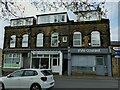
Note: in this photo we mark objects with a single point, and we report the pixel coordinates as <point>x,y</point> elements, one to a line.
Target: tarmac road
<point>85,82</point>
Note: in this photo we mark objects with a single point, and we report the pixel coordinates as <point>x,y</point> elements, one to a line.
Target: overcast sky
<point>112,14</point>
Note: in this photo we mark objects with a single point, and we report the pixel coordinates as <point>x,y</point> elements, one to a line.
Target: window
<point>29,21</point>
<point>17,73</point>
<point>25,40</point>
<point>43,19</point>
<point>54,40</point>
<point>30,73</point>
<point>12,60</point>
<point>95,39</point>
<point>59,18</point>
<point>39,40</point>
<point>77,39</point>
<point>65,39</point>
<point>20,22</point>
<point>12,41</point>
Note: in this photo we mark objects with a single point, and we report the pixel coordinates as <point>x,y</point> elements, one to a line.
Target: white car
<point>32,79</point>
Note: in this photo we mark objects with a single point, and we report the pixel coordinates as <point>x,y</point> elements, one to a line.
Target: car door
<point>28,78</point>
<point>12,80</point>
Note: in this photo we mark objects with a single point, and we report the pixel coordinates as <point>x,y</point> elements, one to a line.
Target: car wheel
<point>2,87</point>
<point>35,87</point>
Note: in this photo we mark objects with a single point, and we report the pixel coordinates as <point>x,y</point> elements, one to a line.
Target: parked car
<point>32,79</point>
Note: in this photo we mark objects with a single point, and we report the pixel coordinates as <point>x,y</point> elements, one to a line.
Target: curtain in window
<point>54,40</point>
<point>95,39</point>
<point>77,39</point>
<point>39,40</point>
<point>13,41</point>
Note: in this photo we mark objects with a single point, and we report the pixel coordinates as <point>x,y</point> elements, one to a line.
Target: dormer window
<point>53,18</point>
<point>22,21</point>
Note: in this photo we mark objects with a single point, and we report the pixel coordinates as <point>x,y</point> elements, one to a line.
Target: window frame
<point>25,40</point>
<point>80,39</point>
<point>54,36</point>
<point>39,40</point>
<point>95,39</point>
<point>12,41</point>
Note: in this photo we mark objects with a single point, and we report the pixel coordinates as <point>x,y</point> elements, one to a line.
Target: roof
<point>23,18</point>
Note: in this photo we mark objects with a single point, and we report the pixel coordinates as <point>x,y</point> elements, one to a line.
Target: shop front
<point>47,59</point>
<point>92,60</point>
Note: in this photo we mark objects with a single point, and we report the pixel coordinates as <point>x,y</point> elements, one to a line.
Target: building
<point>59,42</point>
<point>0,61</point>
<point>115,58</point>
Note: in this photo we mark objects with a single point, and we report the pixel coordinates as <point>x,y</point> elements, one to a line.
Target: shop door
<point>44,63</point>
<point>100,70</point>
<point>55,65</point>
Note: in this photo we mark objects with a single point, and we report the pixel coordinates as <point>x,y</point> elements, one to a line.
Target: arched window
<point>95,39</point>
<point>77,39</point>
<point>25,40</point>
<point>13,41</point>
<point>39,42</point>
<point>54,39</point>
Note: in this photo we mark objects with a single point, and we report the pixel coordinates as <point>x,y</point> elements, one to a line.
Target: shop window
<point>77,39</point>
<point>13,41</point>
<point>54,40</point>
<point>25,40</point>
<point>12,60</point>
<point>95,39</point>
<point>39,40</point>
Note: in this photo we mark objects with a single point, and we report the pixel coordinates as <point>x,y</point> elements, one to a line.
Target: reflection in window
<point>12,41</point>
<point>12,60</point>
<point>39,40</point>
<point>77,39</point>
<point>25,40</point>
<point>95,38</point>
<point>54,40</point>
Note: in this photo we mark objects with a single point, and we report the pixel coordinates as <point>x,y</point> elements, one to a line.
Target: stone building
<point>57,42</point>
<point>115,58</point>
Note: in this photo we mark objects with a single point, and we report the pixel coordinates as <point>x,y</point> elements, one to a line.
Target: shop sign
<point>89,50</point>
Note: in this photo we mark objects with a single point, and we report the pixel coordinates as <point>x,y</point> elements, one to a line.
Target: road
<point>62,82</point>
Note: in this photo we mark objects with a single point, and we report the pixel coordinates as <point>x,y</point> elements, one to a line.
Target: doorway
<point>100,66</point>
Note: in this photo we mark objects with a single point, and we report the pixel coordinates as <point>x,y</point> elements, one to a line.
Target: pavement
<point>87,77</point>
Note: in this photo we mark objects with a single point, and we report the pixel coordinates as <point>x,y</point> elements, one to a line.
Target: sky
<point>112,15</point>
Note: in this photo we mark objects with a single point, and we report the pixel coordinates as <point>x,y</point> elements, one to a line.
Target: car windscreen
<point>46,72</point>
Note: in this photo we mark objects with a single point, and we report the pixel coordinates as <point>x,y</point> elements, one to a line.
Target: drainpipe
<point>69,61</point>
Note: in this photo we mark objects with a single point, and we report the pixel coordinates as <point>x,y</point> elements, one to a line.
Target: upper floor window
<point>77,39</point>
<point>59,18</point>
<point>39,40</point>
<point>95,39</point>
<point>25,40</point>
<point>54,40</point>
<point>43,19</point>
<point>55,18</point>
<point>12,41</point>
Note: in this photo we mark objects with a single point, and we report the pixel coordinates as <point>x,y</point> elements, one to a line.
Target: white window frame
<point>95,39</point>
<point>12,60</point>
<point>25,40</point>
<point>39,40</point>
<point>65,39</point>
<point>12,41</point>
<point>54,39</point>
<point>77,39</point>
